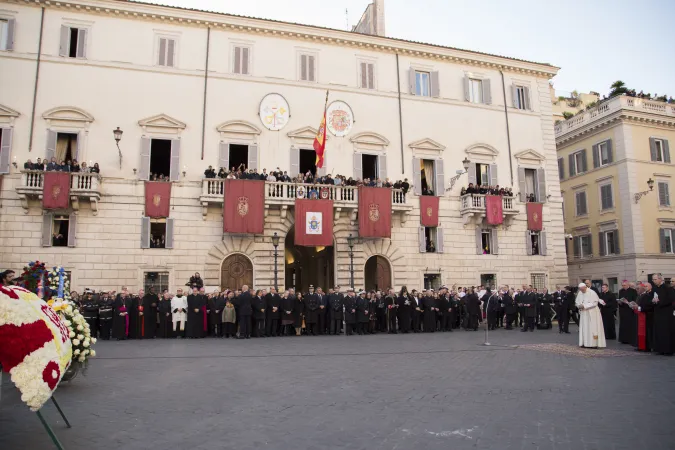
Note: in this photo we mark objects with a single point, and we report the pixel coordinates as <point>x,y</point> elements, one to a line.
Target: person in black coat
<point>443,313</point>
<point>664,320</point>
<point>472,310</point>
<point>195,314</point>
<point>195,281</point>
<point>89,310</point>
<point>336,310</point>
<point>545,302</point>
<point>322,298</point>
<point>105,316</point>
<point>298,313</point>
<point>350,312</point>
<point>428,308</point>
<point>273,312</point>
<point>510,309</point>
<point>215,306</point>
<point>258,306</point>
<point>528,300</point>
<point>391,309</point>
<point>564,300</point>
<point>491,303</point>
<point>287,317</point>
<point>311,311</point>
<point>362,313</point>
<point>245,309</point>
<point>627,317</point>
<point>149,303</point>
<point>404,310</point>
<point>164,313</point>
<point>608,306</point>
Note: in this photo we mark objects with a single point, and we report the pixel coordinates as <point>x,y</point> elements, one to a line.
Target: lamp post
<point>118,137</point>
<point>466,162</point>
<point>350,243</point>
<point>639,195</point>
<point>275,243</point>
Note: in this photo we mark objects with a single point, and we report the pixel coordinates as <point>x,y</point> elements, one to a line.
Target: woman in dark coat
<point>287,318</point>
<point>405,309</point>
<point>298,311</point>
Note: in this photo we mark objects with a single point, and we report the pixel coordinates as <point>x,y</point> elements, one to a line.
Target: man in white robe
<point>179,313</point>
<point>591,332</point>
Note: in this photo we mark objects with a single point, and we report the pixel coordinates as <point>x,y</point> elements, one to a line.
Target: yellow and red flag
<point>320,139</point>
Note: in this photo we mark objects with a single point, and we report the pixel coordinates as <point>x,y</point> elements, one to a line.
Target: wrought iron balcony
<point>83,185</point>
<point>473,208</point>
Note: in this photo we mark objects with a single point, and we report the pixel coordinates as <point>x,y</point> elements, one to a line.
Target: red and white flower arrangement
<point>78,330</point>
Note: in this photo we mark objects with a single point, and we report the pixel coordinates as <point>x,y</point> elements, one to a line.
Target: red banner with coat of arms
<point>157,199</point>
<point>429,210</point>
<point>494,209</point>
<point>534,216</point>
<point>374,212</point>
<point>313,222</point>
<point>244,207</point>
<point>56,190</point>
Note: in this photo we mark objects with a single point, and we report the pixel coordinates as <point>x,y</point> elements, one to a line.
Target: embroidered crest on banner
<point>374,212</point>
<point>56,191</point>
<point>324,193</point>
<point>242,206</point>
<point>430,211</point>
<point>314,223</point>
<point>156,199</point>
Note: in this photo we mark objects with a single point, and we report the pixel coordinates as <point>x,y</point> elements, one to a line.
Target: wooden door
<point>383,272</point>
<point>237,270</point>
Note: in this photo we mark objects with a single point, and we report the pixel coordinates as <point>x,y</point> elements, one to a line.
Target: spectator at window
<point>463,191</point>
<point>271,177</point>
<point>39,165</point>
<point>28,165</point>
<point>195,281</point>
<point>95,169</point>
<point>57,239</point>
<point>53,165</point>
<point>531,198</point>
<point>471,189</point>
<point>431,248</point>
<point>222,173</point>
<point>231,176</point>
<point>210,173</point>
<point>64,166</point>
<point>73,166</point>
<point>84,168</point>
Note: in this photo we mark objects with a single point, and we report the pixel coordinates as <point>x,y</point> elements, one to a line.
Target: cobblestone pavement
<point>425,391</point>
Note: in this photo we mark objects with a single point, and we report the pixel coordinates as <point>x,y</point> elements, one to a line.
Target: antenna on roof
<point>347,18</point>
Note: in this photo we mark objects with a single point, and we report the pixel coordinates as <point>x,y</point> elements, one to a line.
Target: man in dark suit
<point>245,311</point>
<point>323,309</point>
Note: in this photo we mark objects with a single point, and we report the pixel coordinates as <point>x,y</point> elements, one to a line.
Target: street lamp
<point>639,195</point>
<point>466,162</point>
<point>275,243</point>
<point>118,137</point>
<point>350,243</point>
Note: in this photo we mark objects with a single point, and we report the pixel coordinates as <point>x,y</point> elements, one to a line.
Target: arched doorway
<point>377,273</point>
<point>308,265</point>
<point>236,271</point>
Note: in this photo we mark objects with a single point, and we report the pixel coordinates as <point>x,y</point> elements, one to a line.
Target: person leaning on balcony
<point>222,173</point>
<point>64,166</point>
<point>28,165</point>
<point>52,165</point>
<point>74,166</point>
<point>471,189</point>
<point>210,173</point>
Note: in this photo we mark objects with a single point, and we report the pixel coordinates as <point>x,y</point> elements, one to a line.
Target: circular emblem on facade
<point>156,199</point>
<point>325,193</point>
<point>430,211</point>
<point>339,118</point>
<point>242,206</point>
<point>274,112</point>
<point>56,191</point>
<point>300,192</point>
<point>374,212</point>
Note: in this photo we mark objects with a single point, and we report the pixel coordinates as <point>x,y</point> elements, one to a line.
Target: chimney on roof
<point>372,19</point>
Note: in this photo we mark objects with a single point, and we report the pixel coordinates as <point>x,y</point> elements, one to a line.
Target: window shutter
<point>168,238</point>
<point>601,239</point>
<point>577,246</point>
<point>543,251</point>
<point>495,242</point>
<point>541,185</point>
<point>479,241</point>
<point>652,148</point>
<point>439,240</point>
<point>439,176</point>
<point>561,168</point>
<point>244,60</point>
<point>224,155</point>
<point>417,176</point>
<point>584,160</point>
<point>47,224</point>
<point>662,240</point>
<point>358,166</point>
<point>175,160</point>
<point>144,171</point>
<point>11,24</point>
<point>5,149</point>
<point>528,242</point>
<point>526,95</point>
<point>65,39</point>
<point>145,232</point>
<point>573,167</point>
<point>51,145</point>
<point>252,157</point>
<point>487,93</point>
<point>422,240</point>
<point>170,52</point>
<point>364,75</point>
<point>323,170</point>
<point>162,52</point>
<point>81,43</point>
<point>590,243</point>
<point>472,173</point>
<point>435,86</point>
<point>610,152</point>
<point>494,175</point>
<point>303,67</point>
<point>467,89</point>
<point>237,61</point>
<point>72,230</point>
<point>596,157</point>
<point>310,68</point>
<point>412,81</point>
<point>371,76</point>
<point>581,204</point>
<point>78,141</point>
<point>522,184</point>
<point>666,151</point>
<point>663,191</point>
<point>295,162</point>
<point>382,166</point>
<point>514,96</point>
<point>617,250</point>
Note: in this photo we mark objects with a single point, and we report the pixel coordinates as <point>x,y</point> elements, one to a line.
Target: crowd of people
<point>307,178</point>
<point>485,189</point>
<point>61,166</point>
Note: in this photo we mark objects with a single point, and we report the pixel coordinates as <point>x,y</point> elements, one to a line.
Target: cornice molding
<point>622,116</point>
<point>204,19</point>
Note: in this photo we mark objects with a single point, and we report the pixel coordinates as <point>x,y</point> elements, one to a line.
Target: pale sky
<point>594,42</point>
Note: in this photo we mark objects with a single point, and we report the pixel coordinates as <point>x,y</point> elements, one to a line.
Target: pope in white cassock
<point>591,332</point>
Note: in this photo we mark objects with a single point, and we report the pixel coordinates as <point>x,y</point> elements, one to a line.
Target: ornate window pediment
<point>238,127</point>
<point>162,123</point>
<point>369,141</point>
<point>304,135</point>
<point>427,144</point>
<point>7,115</point>
<point>68,116</point>
<point>529,157</point>
<point>481,151</point>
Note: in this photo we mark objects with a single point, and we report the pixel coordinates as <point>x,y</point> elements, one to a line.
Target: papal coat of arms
<point>535,217</point>
<point>242,206</point>
<point>374,212</point>
<point>324,193</point>
<point>156,199</point>
<point>300,193</point>
<point>314,223</point>
<point>56,191</point>
<point>430,211</point>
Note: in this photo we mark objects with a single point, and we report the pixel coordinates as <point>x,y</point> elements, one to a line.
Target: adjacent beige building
<point>620,227</point>
<point>572,103</point>
<point>191,89</point>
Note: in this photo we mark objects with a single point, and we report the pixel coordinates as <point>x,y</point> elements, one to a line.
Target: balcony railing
<point>473,206</point>
<point>82,185</point>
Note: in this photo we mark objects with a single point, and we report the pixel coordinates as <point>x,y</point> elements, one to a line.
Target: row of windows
<point>606,194</point>
<point>603,155</point>
<point>608,243</point>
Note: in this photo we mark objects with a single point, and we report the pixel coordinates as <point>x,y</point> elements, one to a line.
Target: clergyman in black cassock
<point>164,312</point>
<point>391,306</point>
<point>627,317</point>
<point>245,311</point>
<point>362,313</point>
<point>135,319</point>
<point>258,311</point>
<point>473,310</point>
<point>443,314</point>
<point>311,311</point>
<point>664,321</point>
<point>404,310</point>
<point>272,313</point>
<point>350,312</point>
<point>216,303</point>
<point>510,309</point>
<point>121,308</point>
<point>608,311</point>
<point>195,315</point>
<point>529,300</point>
<point>149,302</point>
<point>429,312</point>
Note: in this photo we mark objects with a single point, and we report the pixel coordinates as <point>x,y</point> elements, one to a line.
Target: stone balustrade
<point>472,207</point>
<point>83,185</point>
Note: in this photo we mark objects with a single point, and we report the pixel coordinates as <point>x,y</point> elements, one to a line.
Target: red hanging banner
<point>429,210</point>
<point>313,222</point>
<point>244,207</point>
<point>56,190</point>
<point>494,210</point>
<point>157,199</point>
<point>641,330</point>
<point>534,216</point>
<point>374,212</point>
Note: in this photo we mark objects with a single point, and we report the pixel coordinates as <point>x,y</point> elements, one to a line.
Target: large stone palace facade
<point>191,89</point>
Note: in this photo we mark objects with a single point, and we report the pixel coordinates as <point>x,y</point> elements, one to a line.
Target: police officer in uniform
<point>335,307</point>
<point>105,315</point>
<point>89,310</point>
